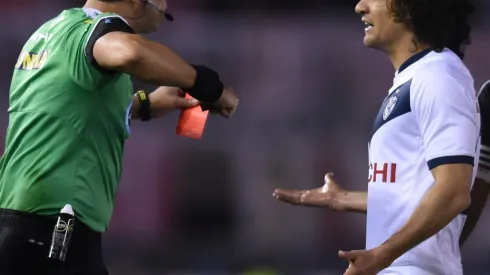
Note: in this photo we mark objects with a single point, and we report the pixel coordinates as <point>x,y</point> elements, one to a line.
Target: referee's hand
<point>325,196</point>
<point>225,105</point>
<point>166,99</point>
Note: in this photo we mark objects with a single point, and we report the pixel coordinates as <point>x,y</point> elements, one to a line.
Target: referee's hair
<point>439,23</point>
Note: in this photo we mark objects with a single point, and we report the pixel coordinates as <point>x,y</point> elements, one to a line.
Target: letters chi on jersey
<point>429,118</point>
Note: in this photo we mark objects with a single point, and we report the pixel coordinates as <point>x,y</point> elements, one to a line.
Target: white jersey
<point>429,118</point>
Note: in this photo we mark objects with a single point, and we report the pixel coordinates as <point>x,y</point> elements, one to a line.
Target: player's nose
<point>361,8</point>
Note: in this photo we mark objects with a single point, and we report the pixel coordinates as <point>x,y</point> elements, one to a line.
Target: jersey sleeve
<point>79,43</point>
<point>103,25</point>
<point>484,161</point>
<point>446,114</point>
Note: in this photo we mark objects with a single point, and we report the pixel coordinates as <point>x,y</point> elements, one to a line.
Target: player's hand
<point>226,104</point>
<point>166,99</point>
<point>364,262</point>
<point>325,196</point>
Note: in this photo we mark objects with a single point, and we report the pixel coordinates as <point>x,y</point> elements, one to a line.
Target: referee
<point>71,102</point>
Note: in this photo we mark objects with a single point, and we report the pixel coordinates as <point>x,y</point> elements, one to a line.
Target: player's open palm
<point>325,196</point>
<point>166,99</point>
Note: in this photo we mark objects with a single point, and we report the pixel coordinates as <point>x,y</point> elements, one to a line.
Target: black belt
<point>43,224</point>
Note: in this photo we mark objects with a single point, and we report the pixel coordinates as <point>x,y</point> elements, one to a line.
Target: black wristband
<point>145,105</point>
<point>208,86</point>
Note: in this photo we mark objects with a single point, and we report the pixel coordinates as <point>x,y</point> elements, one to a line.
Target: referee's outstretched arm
<point>144,59</point>
<point>155,63</point>
<point>114,43</point>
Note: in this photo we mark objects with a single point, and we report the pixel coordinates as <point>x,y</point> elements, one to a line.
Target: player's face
<point>381,30</point>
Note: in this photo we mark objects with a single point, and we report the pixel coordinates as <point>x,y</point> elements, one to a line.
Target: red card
<point>192,121</point>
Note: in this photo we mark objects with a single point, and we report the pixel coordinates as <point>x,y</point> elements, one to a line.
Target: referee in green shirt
<point>71,102</point>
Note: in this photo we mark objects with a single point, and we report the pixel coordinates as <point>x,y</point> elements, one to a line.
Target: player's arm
<point>447,118</point>
<point>330,195</point>
<point>481,187</point>
<point>449,196</point>
<point>479,196</point>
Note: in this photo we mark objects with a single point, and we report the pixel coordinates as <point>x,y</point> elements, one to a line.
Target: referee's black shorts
<point>25,241</point>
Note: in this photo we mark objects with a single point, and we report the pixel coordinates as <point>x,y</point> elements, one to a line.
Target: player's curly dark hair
<point>439,23</point>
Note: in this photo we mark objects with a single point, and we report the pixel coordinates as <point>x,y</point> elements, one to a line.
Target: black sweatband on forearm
<point>145,105</point>
<point>208,86</point>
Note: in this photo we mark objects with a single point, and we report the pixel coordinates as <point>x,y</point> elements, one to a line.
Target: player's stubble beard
<point>394,39</point>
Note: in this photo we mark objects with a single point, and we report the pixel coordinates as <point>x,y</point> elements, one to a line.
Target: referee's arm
<point>445,113</point>
<point>112,45</point>
<point>144,59</point>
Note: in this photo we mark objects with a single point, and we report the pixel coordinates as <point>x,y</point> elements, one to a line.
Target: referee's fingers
<point>181,92</point>
<point>185,103</point>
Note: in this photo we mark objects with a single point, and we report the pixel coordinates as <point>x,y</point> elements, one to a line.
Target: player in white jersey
<point>424,144</point>
<point>481,187</point>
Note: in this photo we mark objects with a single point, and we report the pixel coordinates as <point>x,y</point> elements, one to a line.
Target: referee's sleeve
<point>103,25</point>
<point>445,109</point>
<point>78,47</point>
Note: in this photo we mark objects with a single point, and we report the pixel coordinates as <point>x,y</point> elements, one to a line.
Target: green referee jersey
<point>68,122</point>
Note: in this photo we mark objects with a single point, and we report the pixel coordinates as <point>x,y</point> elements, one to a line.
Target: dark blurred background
<point>309,93</point>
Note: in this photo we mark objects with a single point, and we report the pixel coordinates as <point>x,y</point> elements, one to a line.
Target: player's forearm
<point>352,201</point>
<point>436,210</point>
<point>479,195</point>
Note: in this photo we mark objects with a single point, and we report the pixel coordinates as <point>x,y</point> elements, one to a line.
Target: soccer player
<point>71,102</point>
<point>481,187</point>
<point>423,147</point>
